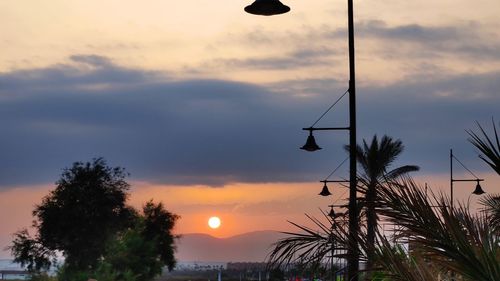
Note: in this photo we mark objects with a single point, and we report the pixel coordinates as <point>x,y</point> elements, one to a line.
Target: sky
<point>204,104</point>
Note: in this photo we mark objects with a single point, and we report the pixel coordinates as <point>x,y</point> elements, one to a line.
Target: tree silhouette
<point>77,218</point>
<point>375,160</point>
<point>86,219</point>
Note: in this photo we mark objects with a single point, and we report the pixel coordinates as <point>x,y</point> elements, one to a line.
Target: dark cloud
<point>214,132</point>
<point>198,131</point>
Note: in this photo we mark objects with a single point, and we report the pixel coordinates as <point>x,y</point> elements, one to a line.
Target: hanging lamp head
<point>311,144</point>
<point>267,8</point>
<point>325,191</point>
<point>332,213</point>
<point>479,190</point>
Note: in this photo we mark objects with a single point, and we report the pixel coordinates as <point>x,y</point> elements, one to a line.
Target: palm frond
<point>400,171</point>
<point>393,261</point>
<point>492,204</point>
<point>490,150</point>
<point>308,246</point>
<point>451,238</point>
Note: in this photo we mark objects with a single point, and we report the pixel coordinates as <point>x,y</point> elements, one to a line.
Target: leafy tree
<point>86,219</point>
<point>158,225</point>
<point>30,252</point>
<point>84,211</point>
<point>375,160</point>
<point>143,250</point>
<point>77,218</point>
<point>132,255</point>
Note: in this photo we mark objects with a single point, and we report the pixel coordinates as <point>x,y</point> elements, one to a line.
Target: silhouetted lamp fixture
<point>332,213</point>
<point>325,191</point>
<point>311,144</point>
<point>477,191</point>
<point>267,8</point>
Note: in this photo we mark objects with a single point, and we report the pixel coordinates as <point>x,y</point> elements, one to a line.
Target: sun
<point>214,222</point>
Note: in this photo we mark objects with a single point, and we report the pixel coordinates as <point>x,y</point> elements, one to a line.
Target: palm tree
<point>490,150</point>
<point>375,160</point>
<point>442,239</point>
<point>312,246</point>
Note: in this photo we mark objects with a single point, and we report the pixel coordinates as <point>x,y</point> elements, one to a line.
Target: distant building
<point>9,270</point>
<point>242,266</point>
<point>9,274</point>
<point>200,266</point>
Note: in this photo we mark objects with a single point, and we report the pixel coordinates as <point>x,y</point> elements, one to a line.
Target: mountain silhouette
<point>247,247</point>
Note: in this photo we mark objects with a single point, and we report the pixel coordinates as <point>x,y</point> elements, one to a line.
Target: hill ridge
<point>245,247</point>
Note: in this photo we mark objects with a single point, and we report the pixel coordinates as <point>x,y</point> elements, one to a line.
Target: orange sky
<point>241,207</point>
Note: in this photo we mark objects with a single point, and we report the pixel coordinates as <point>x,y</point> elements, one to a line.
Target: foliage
<point>394,264</point>
<point>42,277</point>
<point>451,238</point>
<point>492,210</point>
<point>143,250</point>
<point>29,252</point>
<point>276,274</point>
<point>83,212</point>
<point>490,148</point>
<point>158,225</point>
<point>87,221</point>
<point>442,241</point>
<point>310,248</point>
<point>106,272</point>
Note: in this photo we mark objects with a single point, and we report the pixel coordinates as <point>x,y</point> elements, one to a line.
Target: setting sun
<point>214,222</point>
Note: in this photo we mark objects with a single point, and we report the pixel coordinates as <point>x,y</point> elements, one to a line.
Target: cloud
<point>197,131</point>
<point>413,32</point>
<point>214,132</point>
<point>292,60</point>
<point>466,42</point>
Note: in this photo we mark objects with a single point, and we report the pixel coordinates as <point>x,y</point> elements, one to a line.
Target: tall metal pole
<point>275,8</point>
<point>451,179</point>
<point>353,249</point>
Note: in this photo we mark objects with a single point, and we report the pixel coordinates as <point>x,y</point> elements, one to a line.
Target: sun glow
<point>214,222</point>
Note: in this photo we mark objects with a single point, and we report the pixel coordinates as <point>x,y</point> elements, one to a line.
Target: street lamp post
<point>477,191</point>
<point>275,7</point>
<point>333,216</point>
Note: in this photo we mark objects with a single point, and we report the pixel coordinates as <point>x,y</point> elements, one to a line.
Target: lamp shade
<point>332,214</point>
<point>325,191</point>
<point>310,143</point>
<point>267,8</point>
<point>479,190</point>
